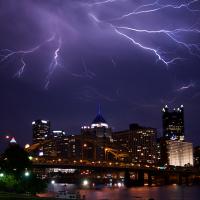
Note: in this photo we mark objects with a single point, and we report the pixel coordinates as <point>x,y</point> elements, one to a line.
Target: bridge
<point>118,153</point>
<point>167,175</point>
<point>152,174</point>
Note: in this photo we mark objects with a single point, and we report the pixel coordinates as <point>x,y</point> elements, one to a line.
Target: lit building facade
<point>179,153</point>
<point>57,145</point>
<point>173,123</point>
<point>41,130</point>
<point>140,142</point>
<point>99,127</point>
<point>94,138</point>
<point>73,147</point>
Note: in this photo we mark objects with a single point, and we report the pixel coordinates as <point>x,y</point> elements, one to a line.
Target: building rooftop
<point>99,119</point>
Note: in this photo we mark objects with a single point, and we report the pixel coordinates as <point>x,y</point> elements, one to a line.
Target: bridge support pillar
<point>167,179</point>
<point>140,178</point>
<point>127,180</point>
<point>150,179</point>
<point>180,179</point>
<point>187,180</point>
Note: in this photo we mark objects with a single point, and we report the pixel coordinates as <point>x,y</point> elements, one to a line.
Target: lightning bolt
<point>102,2</point>
<point>139,10</point>
<point>155,51</point>
<point>113,62</point>
<point>174,35</point>
<point>86,72</point>
<point>21,70</point>
<point>54,63</point>
<point>7,54</point>
<point>185,87</point>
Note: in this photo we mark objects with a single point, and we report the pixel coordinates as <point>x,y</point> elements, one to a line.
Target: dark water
<point>173,192</point>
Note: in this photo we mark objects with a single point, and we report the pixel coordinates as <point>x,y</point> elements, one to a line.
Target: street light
<point>30,158</point>
<point>27,174</point>
<point>85,182</point>
<point>53,184</point>
<point>27,146</point>
<point>106,154</point>
<point>1,174</point>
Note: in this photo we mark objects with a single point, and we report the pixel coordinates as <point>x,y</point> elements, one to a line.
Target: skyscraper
<point>95,137</point>
<point>41,130</point>
<point>140,142</point>
<point>173,123</point>
<point>57,145</point>
<point>98,128</point>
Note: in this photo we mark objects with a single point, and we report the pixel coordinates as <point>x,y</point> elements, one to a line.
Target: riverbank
<point>8,196</point>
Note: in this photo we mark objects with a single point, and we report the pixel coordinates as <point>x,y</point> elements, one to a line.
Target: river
<point>173,192</point>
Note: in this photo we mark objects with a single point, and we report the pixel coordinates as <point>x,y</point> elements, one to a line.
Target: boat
<point>69,195</point>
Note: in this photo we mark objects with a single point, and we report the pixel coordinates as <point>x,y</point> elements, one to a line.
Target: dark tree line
<point>16,172</point>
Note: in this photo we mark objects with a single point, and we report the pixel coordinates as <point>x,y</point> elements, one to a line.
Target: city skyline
<point>59,60</point>
<point>99,116</point>
<point>100,99</point>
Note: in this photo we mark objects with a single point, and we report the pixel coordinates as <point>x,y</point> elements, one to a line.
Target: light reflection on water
<point>173,192</point>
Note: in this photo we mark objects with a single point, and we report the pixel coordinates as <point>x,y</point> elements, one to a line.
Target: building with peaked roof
<point>95,137</point>
<point>13,141</point>
<point>99,127</point>
<point>99,120</point>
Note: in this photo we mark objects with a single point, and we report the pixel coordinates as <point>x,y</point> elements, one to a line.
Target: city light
<point>30,158</point>
<point>85,182</point>
<point>133,57</point>
<point>119,184</point>
<point>85,145</point>
<point>41,153</point>
<point>26,174</point>
<point>27,146</point>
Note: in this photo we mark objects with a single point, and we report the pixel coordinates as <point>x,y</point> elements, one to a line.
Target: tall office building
<point>56,148</point>
<point>140,142</point>
<point>95,137</point>
<point>41,130</point>
<point>173,123</point>
<point>99,127</point>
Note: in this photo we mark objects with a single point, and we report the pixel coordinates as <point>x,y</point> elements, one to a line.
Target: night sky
<point>60,59</point>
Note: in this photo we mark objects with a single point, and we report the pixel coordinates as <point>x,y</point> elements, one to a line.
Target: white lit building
<point>41,130</point>
<point>179,153</point>
<point>98,128</point>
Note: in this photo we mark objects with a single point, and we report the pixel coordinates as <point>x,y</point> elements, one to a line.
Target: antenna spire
<point>99,110</point>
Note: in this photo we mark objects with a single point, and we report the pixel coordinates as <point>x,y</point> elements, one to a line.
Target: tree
<point>15,170</point>
<point>8,183</point>
<point>15,160</point>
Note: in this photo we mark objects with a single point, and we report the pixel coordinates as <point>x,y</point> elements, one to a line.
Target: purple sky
<point>60,59</point>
